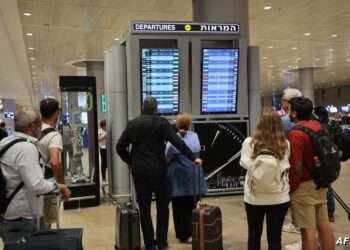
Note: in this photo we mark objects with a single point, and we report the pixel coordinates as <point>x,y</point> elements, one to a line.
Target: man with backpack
<point>310,175</point>
<point>50,146</point>
<point>21,178</point>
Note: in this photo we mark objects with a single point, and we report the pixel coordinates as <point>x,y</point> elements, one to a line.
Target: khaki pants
<point>309,206</point>
<point>51,209</point>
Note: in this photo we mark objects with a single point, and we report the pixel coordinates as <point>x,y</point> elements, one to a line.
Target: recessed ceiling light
<point>31,48</point>
<point>32,58</point>
<point>270,47</point>
<point>116,39</point>
<point>294,48</point>
<point>334,35</point>
<point>307,34</point>
<point>264,57</point>
<point>331,50</point>
<point>318,59</point>
<point>348,60</point>
<point>29,34</point>
<point>267,7</point>
<point>298,59</point>
<point>27,14</point>
<point>271,66</point>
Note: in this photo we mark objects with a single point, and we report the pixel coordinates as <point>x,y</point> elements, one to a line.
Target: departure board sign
<point>163,27</point>
<point>219,81</point>
<point>160,78</point>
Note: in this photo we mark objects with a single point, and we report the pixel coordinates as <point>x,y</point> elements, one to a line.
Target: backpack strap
<point>21,185</point>
<point>45,132</point>
<point>312,134</point>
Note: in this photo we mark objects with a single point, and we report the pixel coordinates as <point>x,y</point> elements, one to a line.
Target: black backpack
<point>327,168</point>
<point>4,201</point>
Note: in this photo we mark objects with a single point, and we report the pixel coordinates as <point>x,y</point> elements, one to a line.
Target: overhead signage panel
<point>213,28</point>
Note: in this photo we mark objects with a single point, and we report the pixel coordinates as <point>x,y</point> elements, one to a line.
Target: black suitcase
<point>206,226</point>
<point>341,202</point>
<point>127,228</point>
<point>127,233</point>
<point>62,239</point>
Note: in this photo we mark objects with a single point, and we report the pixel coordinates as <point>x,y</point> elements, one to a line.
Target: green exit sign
<point>103,103</point>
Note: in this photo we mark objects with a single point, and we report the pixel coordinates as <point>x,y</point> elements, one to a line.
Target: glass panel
<point>76,156</point>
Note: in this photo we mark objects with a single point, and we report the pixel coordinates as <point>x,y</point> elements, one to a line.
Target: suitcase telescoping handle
<point>58,199</point>
<point>341,202</point>
<point>132,189</point>
<point>195,186</point>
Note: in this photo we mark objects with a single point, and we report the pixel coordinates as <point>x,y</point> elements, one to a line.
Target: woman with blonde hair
<point>183,177</point>
<point>265,156</point>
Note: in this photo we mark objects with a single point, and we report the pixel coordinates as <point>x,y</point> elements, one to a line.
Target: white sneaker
<point>290,228</point>
<point>294,246</point>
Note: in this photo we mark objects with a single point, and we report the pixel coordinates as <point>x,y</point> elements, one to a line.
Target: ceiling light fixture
<point>307,34</point>
<point>264,57</point>
<point>331,50</point>
<point>116,39</point>
<point>294,48</point>
<point>333,73</point>
<point>318,59</point>
<point>29,34</point>
<point>32,58</point>
<point>27,14</point>
<point>334,35</point>
<point>33,66</point>
<point>298,59</point>
<point>271,66</point>
<point>267,7</point>
<point>270,47</point>
<point>31,48</point>
<point>348,60</point>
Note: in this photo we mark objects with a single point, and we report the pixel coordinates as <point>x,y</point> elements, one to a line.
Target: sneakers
<point>290,228</point>
<point>294,246</point>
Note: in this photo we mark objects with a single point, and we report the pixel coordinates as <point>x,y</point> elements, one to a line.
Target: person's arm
<point>123,145</point>
<point>55,148</point>
<point>172,137</point>
<point>296,159</point>
<point>246,160</point>
<point>30,171</point>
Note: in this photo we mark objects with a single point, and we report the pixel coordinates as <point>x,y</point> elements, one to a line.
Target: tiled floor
<point>98,223</point>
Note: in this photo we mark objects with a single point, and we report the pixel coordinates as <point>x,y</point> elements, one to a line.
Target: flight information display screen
<point>160,78</point>
<point>219,81</point>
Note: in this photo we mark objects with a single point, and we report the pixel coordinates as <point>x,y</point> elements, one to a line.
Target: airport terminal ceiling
<point>290,34</point>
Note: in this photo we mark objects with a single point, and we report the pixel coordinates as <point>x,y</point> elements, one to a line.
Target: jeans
<point>17,229</point>
<point>330,203</point>
<point>274,219</point>
<point>147,184</point>
<point>103,153</point>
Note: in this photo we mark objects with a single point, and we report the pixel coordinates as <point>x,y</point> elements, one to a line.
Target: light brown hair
<point>269,135</point>
<point>183,122</point>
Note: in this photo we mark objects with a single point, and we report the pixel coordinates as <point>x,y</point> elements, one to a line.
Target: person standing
<point>308,203</point>
<point>102,136</point>
<point>21,170</point>
<point>147,136</point>
<point>50,146</point>
<point>3,132</point>
<point>67,153</point>
<point>266,192</point>
<point>183,178</point>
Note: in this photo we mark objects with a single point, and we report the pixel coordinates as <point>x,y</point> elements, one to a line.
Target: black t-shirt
<point>3,133</point>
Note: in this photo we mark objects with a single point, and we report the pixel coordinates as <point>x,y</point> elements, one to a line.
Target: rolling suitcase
<point>58,239</point>
<point>341,202</point>
<point>206,226</point>
<point>127,232</point>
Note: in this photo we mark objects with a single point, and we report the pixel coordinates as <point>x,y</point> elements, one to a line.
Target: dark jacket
<point>147,135</point>
<point>3,133</point>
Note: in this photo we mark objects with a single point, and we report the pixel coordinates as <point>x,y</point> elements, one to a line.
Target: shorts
<point>309,206</point>
<point>50,209</point>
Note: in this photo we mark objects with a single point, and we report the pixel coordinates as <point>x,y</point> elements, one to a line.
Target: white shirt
<point>51,140</point>
<point>21,163</point>
<point>261,198</point>
<point>102,142</point>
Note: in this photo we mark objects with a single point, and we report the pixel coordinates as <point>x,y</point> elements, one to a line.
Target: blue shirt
<point>287,124</point>
<point>182,172</point>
